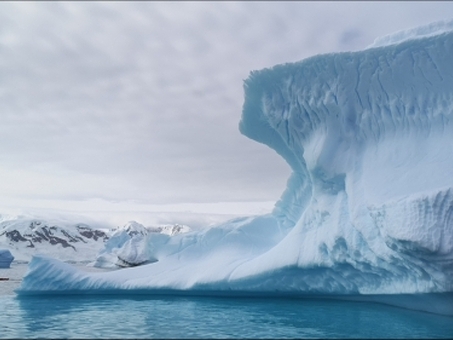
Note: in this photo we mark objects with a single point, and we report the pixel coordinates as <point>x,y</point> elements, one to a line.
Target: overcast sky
<point>134,107</point>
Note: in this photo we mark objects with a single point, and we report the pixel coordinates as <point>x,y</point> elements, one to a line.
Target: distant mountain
<point>73,242</point>
<point>170,229</point>
<point>25,237</point>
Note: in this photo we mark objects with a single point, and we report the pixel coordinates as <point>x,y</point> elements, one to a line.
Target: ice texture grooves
<point>368,208</point>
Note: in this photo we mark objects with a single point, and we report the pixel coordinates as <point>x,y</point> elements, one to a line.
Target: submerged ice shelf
<point>368,209</point>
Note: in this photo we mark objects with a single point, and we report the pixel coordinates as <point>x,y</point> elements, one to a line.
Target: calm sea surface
<point>205,317</point>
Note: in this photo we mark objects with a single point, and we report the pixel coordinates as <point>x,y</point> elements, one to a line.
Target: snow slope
<point>368,209</point>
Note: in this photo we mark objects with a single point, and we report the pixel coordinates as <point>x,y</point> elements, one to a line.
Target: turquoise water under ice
<point>208,317</point>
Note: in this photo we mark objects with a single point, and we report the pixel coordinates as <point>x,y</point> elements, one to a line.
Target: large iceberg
<point>368,209</point>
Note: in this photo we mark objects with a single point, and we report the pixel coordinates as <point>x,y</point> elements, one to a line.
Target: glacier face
<point>368,208</point>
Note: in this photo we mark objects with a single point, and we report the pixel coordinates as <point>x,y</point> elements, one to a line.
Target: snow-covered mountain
<point>171,229</point>
<point>25,236</point>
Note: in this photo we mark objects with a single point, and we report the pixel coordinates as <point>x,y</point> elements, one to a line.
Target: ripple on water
<point>207,317</point>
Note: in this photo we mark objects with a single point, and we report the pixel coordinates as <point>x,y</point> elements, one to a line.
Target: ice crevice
<point>368,208</point>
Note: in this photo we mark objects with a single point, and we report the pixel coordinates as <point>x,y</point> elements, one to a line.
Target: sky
<point>121,111</point>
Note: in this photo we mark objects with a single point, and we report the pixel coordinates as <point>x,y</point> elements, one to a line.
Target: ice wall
<point>368,208</point>
<point>369,137</point>
<point>371,115</point>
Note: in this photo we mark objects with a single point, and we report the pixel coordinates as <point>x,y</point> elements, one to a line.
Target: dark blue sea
<point>205,317</point>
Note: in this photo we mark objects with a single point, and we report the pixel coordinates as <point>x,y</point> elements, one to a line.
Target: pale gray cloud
<point>141,100</point>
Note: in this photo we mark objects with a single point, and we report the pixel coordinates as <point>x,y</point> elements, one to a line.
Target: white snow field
<point>368,209</point>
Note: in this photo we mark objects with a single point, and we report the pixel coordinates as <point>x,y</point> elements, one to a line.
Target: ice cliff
<point>370,140</point>
<point>368,208</point>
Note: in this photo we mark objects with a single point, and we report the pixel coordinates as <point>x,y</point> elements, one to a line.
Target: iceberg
<point>5,258</point>
<point>129,246</point>
<point>368,208</point>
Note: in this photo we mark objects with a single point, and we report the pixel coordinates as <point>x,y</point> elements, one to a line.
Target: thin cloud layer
<point>141,101</point>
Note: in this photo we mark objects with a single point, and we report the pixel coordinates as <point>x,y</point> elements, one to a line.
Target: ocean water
<point>205,317</point>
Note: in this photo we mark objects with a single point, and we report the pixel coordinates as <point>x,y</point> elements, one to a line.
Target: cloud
<point>141,101</point>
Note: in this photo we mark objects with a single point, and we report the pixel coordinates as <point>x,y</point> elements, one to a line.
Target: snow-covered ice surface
<point>129,246</point>
<point>368,209</point>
